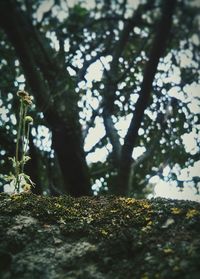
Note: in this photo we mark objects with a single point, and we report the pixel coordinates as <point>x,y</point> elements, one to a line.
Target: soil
<point>98,237</point>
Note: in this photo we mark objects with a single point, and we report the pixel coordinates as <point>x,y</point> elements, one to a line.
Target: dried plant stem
<point>17,162</point>
<point>24,146</point>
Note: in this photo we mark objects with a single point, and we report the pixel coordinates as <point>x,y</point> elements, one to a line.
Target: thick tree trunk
<point>157,50</point>
<point>43,74</point>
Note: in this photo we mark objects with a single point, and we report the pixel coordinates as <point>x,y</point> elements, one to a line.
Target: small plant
<point>19,179</point>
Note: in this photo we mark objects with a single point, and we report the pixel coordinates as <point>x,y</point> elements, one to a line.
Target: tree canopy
<point>125,71</point>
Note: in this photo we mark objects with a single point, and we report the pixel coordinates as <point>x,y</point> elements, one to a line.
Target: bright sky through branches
<point>160,188</point>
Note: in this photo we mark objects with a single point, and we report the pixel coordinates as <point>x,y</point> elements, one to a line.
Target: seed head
<point>25,97</point>
<point>27,100</point>
<point>22,93</point>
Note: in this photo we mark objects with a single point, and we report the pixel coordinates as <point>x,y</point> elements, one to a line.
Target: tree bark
<point>44,74</point>
<point>157,50</point>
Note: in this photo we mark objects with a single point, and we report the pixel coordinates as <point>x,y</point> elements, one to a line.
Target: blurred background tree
<point>115,87</point>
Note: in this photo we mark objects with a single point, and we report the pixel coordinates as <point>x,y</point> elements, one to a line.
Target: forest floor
<point>98,237</point>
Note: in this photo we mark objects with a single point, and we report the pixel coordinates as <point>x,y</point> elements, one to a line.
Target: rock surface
<point>99,237</point>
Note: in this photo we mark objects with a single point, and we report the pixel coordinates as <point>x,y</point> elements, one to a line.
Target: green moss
<point>99,237</point>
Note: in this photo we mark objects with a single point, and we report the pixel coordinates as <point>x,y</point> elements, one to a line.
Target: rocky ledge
<point>98,237</point>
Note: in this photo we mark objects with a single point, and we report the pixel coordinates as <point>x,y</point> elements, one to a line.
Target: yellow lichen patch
<point>57,205</point>
<point>191,213</point>
<point>15,197</point>
<point>175,210</point>
<point>130,201</point>
<point>144,204</point>
<point>126,201</point>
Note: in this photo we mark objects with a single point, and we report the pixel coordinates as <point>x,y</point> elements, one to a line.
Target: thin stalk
<point>23,136</point>
<point>17,165</point>
<point>26,146</point>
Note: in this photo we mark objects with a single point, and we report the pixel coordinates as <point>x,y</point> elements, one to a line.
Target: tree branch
<point>112,81</point>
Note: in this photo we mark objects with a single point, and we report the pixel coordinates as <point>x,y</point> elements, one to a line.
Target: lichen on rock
<point>98,237</point>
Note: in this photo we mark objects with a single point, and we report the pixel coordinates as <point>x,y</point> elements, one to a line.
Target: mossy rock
<point>98,237</point>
